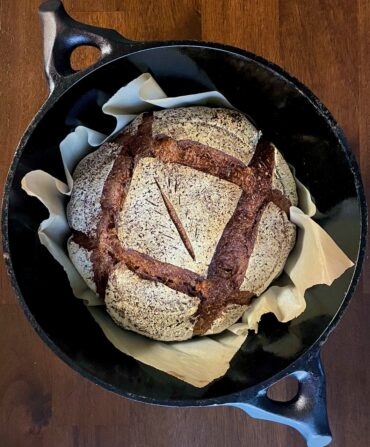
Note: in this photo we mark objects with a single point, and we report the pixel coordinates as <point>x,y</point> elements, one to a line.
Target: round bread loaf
<point>181,220</point>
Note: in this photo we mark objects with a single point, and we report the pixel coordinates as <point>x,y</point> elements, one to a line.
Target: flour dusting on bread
<point>198,189</point>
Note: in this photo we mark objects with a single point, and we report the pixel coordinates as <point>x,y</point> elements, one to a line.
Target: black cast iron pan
<point>289,115</point>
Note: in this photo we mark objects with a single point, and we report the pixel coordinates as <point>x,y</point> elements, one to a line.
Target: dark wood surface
<point>326,44</point>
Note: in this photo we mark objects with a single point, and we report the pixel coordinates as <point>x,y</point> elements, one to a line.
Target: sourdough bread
<point>181,220</point>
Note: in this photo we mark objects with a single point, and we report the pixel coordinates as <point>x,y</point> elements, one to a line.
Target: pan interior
<point>285,116</point>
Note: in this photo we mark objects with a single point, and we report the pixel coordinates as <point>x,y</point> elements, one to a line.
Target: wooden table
<point>326,44</point>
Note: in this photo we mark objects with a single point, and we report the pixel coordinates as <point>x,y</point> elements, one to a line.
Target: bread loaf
<point>181,220</point>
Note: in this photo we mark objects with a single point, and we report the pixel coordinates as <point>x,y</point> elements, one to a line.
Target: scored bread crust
<point>202,201</point>
<point>128,297</point>
<point>84,208</point>
<point>274,240</point>
<point>157,235</point>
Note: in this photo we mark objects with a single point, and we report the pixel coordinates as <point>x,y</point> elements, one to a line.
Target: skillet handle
<point>62,35</point>
<point>306,412</point>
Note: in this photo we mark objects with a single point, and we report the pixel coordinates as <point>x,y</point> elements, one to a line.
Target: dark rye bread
<point>181,220</point>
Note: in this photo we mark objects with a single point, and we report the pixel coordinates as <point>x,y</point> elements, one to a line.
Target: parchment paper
<point>315,259</point>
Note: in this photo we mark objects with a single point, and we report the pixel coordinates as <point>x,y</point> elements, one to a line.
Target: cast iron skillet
<point>289,114</point>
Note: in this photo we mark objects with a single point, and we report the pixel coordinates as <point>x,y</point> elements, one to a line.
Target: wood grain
<point>326,44</point>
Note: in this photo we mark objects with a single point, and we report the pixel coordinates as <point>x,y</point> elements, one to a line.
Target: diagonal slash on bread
<point>176,220</point>
<point>186,221</point>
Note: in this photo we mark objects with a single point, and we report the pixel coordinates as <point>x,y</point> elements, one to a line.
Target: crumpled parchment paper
<point>315,259</point>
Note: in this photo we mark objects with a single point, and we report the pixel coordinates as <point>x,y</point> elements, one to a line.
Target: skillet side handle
<point>62,35</point>
<point>306,412</point>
